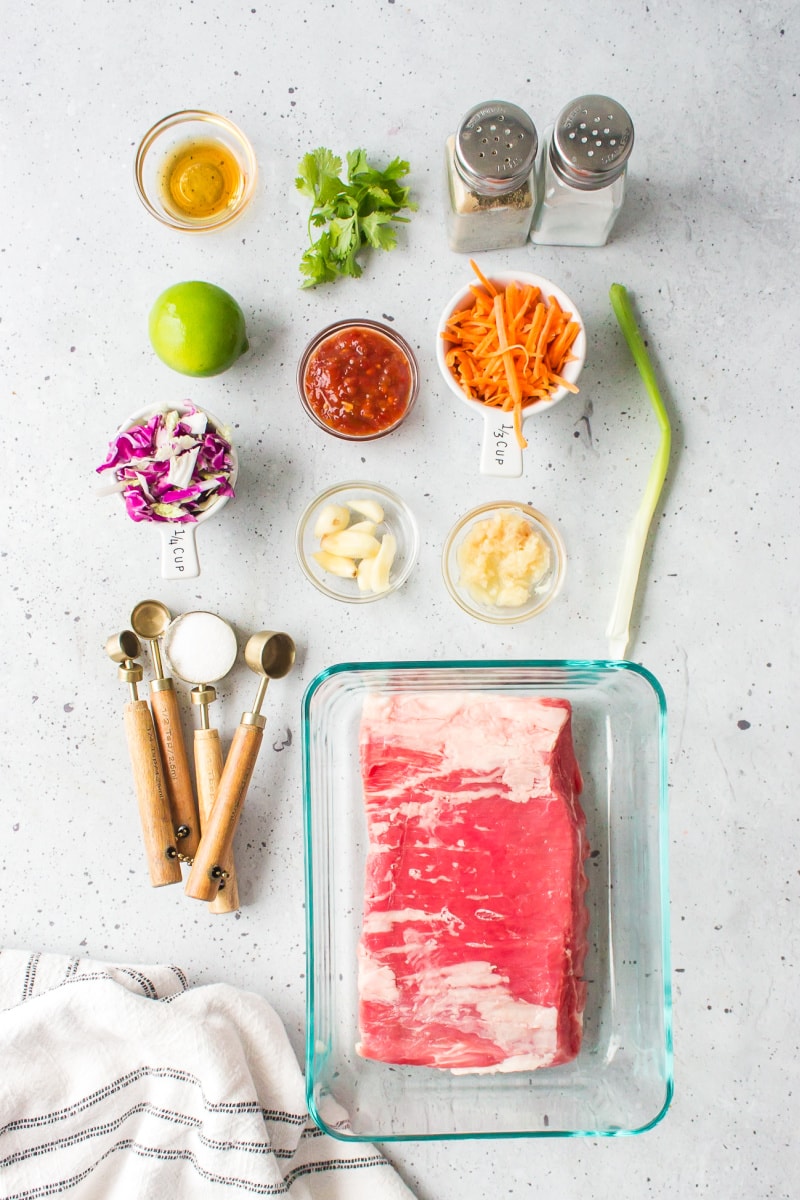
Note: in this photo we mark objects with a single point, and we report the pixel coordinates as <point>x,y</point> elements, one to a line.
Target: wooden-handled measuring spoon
<point>270,655</point>
<point>148,775</point>
<point>201,648</point>
<point>150,619</point>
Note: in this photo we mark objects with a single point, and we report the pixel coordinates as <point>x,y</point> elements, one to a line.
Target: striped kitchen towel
<point>123,1083</point>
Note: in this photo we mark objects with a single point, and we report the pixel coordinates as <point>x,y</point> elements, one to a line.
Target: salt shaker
<point>581,173</point>
<point>490,178</point>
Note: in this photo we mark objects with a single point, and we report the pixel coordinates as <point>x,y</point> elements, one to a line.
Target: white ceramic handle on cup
<point>500,453</point>
<point>179,551</point>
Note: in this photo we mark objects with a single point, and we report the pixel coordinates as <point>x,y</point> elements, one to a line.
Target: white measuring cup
<point>178,546</point>
<point>501,454</point>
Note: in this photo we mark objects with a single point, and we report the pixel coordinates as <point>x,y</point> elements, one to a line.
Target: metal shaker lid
<point>592,139</point>
<point>495,147</point>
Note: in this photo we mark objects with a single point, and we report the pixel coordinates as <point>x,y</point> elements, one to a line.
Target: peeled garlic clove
<point>330,519</point>
<point>382,564</point>
<point>367,508</point>
<point>362,527</point>
<point>335,564</point>
<point>364,575</point>
<point>351,545</point>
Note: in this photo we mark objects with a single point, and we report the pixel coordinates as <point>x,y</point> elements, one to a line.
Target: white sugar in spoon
<point>201,649</point>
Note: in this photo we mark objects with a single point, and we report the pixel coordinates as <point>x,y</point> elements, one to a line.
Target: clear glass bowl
<point>543,590</point>
<point>398,520</point>
<point>160,145</point>
<point>331,331</point>
<point>621,1081</point>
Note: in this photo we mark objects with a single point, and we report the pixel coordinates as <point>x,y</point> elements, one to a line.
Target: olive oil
<point>202,179</point>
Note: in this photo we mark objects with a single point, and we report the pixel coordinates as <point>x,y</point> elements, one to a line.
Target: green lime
<point>197,328</point>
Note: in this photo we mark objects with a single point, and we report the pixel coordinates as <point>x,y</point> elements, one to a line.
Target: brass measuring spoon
<point>201,648</point>
<point>270,655</point>
<point>149,620</point>
<point>148,774</point>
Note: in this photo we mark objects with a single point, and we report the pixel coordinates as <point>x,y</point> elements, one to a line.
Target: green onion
<point>618,631</point>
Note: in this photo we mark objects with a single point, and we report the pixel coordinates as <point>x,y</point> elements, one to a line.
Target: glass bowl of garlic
<point>357,542</point>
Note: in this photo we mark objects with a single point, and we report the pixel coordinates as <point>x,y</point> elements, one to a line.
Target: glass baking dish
<point>621,1081</point>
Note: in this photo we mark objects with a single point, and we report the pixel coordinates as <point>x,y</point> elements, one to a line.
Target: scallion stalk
<point>618,631</point>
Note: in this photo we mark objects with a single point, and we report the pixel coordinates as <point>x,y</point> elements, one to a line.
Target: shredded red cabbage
<point>172,467</point>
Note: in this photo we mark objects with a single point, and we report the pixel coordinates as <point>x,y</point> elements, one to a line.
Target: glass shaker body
<point>581,174</point>
<point>490,181</point>
<point>567,216</point>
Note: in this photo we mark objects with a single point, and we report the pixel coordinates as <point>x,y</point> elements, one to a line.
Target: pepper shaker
<point>490,178</point>
<point>581,173</point>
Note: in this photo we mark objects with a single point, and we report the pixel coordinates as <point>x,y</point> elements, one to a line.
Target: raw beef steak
<point>474,932</point>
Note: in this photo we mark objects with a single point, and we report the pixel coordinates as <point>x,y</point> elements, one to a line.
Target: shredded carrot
<point>508,359</point>
<point>565,339</point>
<point>491,289</point>
<point>535,327</point>
<point>509,348</point>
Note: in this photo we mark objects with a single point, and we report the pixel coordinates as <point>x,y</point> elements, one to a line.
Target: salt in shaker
<point>581,173</point>
<point>490,178</point>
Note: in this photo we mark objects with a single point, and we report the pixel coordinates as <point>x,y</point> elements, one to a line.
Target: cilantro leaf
<point>316,267</point>
<point>344,235</point>
<point>356,163</point>
<point>318,171</point>
<point>358,212</point>
<point>378,232</point>
<point>377,199</point>
<point>396,169</point>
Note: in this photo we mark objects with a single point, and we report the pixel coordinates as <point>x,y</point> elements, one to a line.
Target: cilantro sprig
<point>352,214</point>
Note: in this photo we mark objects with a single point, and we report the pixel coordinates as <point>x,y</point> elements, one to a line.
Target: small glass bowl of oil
<point>195,171</point>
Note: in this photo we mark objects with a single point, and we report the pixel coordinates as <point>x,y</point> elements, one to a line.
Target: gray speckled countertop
<point>706,245</point>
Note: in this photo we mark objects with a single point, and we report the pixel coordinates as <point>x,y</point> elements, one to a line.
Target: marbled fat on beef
<point>475,924</point>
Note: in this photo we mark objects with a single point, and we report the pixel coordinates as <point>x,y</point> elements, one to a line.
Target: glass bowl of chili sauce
<point>358,379</point>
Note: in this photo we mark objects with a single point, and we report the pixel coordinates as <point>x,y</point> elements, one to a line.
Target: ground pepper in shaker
<point>490,178</point>
<point>581,173</point>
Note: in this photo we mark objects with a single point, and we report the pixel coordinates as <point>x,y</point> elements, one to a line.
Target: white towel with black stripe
<point>123,1083</point>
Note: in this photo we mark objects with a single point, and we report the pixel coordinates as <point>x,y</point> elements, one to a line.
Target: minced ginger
<point>501,559</point>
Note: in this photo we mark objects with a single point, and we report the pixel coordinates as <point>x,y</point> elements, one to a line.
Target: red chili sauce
<point>358,382</point>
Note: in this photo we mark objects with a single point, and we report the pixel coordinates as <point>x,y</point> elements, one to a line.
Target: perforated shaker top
<point>495,147</point>
<point>592,140</point>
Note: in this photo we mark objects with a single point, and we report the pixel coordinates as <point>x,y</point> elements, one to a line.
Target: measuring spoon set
<point>178,826</point>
